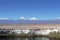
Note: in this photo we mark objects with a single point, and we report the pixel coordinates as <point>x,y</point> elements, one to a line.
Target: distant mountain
<point>29,21</point>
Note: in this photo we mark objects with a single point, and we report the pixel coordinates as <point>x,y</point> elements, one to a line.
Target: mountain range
<point>30,21</point>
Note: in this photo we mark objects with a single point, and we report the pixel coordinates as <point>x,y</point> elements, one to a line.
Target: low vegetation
<point>51,35</point>
<point>54,35</point>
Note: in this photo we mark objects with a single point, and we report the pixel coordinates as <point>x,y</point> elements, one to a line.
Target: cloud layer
<point>32,18</point>
<point>4,19</point>
<point>21,18</point>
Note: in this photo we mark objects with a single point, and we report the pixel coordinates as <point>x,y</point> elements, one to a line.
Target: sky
<point>41,9</point>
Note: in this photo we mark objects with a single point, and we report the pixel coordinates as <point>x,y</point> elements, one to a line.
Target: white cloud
<point>4,18</point>
<point>33,18</point>
<point>58,18</point>
<point>22,18</point>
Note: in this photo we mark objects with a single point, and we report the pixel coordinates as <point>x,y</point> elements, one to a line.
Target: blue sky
<point>41,9</point>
